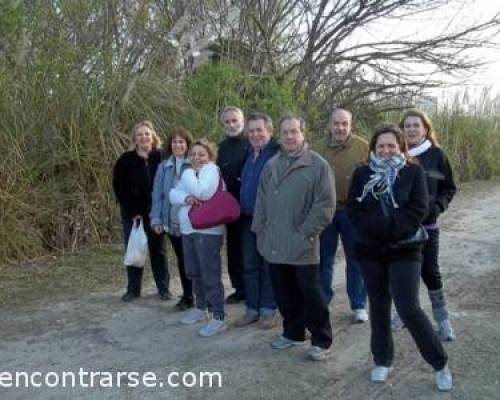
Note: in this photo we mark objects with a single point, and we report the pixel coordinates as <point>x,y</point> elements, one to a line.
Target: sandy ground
<point>99,333</point>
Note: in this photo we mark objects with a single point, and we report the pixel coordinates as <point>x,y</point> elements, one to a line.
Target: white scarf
<point>421,148</point>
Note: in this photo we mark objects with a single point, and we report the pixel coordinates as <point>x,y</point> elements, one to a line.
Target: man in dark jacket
<point>258,289</point>
<point>232,152</point>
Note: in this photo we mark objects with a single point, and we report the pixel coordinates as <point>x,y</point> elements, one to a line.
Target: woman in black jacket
<point>388,201</point>
<point>133,177</point>
<point>423,146</point>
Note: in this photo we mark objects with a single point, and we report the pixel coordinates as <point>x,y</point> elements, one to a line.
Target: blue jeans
<point>259,296</point>
<point>356,289</point>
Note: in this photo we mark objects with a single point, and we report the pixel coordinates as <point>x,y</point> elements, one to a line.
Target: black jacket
<point>231,158</point>
<point>376,228</point>
<point>439,181</point>
<point>133,178</point>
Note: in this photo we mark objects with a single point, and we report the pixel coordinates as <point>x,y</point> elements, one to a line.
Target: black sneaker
<point>165,295</point>
<point>184,303</point>
<point>129,296</point>
<point>235,298</point>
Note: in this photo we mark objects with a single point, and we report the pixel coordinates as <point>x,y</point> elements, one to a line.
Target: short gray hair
<point>286,117</point>
<point>258,116</point>
<point>340,109</point>
<point>231,109</point>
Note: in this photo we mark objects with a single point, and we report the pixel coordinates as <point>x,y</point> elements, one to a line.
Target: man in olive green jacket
<point>344,151</point>
<point>295,202</point>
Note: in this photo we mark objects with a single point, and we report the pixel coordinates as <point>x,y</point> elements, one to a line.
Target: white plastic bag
<point>137,247</point>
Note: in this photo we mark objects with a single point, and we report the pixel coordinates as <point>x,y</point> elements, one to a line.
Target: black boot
<point>184,303</point>
<point>134,275</point>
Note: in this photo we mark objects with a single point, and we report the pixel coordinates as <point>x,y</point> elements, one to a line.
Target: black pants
<point>298,294</point>
<point>157,256</point>
<point>187,287</point>
<point>401,279</point>
<point>234,257</point>
<point>430,266</point>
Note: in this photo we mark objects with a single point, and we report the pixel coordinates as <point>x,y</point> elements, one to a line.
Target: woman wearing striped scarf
<point>388,201</point>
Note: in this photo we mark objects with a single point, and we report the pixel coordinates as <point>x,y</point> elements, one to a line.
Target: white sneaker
<point>360,315</point>
<point>193,316</point>
<point>280,342</point>
<point>317,353</point>
<point>379,373</point>
<point>444,381</point>
<point>213,327</point>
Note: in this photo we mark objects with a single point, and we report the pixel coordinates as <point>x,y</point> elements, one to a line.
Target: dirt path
<point>99,333</point>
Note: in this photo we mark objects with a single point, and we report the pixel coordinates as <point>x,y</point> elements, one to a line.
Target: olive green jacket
<point>344,158</point>
<point>295,202</point>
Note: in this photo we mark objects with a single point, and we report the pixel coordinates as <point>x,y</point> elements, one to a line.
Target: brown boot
<point>267,321</point>
<point>245,320</point>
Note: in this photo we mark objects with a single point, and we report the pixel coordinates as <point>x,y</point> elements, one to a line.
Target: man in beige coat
<point>295,202</point>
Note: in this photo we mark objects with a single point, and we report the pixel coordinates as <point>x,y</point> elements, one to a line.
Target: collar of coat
<point>339,145</point>
<point>304,159</point>
<point>171,161</point>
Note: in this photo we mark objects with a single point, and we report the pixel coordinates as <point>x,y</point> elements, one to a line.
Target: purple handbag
<point>221,208</point>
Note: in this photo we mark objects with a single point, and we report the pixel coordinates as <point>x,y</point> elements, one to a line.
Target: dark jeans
<point>157,256</point>
<point>401,279</point>
<point>187,287</point>
<point>234,257</point>
<point>259,295</point>
<point>430,266</point>
<point>204,268</point>
<point>297,292</point>
<point>356,291</point>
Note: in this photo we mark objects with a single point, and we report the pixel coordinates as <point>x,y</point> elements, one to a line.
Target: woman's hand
<point>158,229</point>
<point>137,218</point>
<point>192,201</point>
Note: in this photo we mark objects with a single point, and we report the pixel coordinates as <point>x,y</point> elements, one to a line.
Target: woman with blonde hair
<point>133,176</point>
<point>201,247</point>
<point>425,150</point>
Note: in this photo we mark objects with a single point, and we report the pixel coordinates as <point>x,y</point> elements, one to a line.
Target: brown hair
<point>209,146</point>
<point>148,124</point>
<point>389,128</point>
<point>431,133</point>
<point>182,133</point>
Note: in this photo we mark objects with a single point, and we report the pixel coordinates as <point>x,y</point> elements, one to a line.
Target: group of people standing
<point>381,198</point>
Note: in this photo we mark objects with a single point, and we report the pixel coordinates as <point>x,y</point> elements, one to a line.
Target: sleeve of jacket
<point>405,220</point>
<point>157,196</point>
<point>367,218</point>
<point>178,194</point>
<point>259,215</point>
<point>120,187</point>
<point>446,187</point>
<point>204,185</point>
<point>323,207</point>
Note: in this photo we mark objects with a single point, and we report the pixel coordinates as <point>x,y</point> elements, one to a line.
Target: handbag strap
<point>220,188</point>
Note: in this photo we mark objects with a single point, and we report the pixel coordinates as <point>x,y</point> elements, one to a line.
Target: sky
<point>450,17</point>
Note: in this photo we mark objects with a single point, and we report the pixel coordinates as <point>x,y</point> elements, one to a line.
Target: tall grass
<point>469,131</point>
<point>59,145</point>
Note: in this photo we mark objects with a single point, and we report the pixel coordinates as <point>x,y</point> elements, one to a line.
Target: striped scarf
<point>384,175</point>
